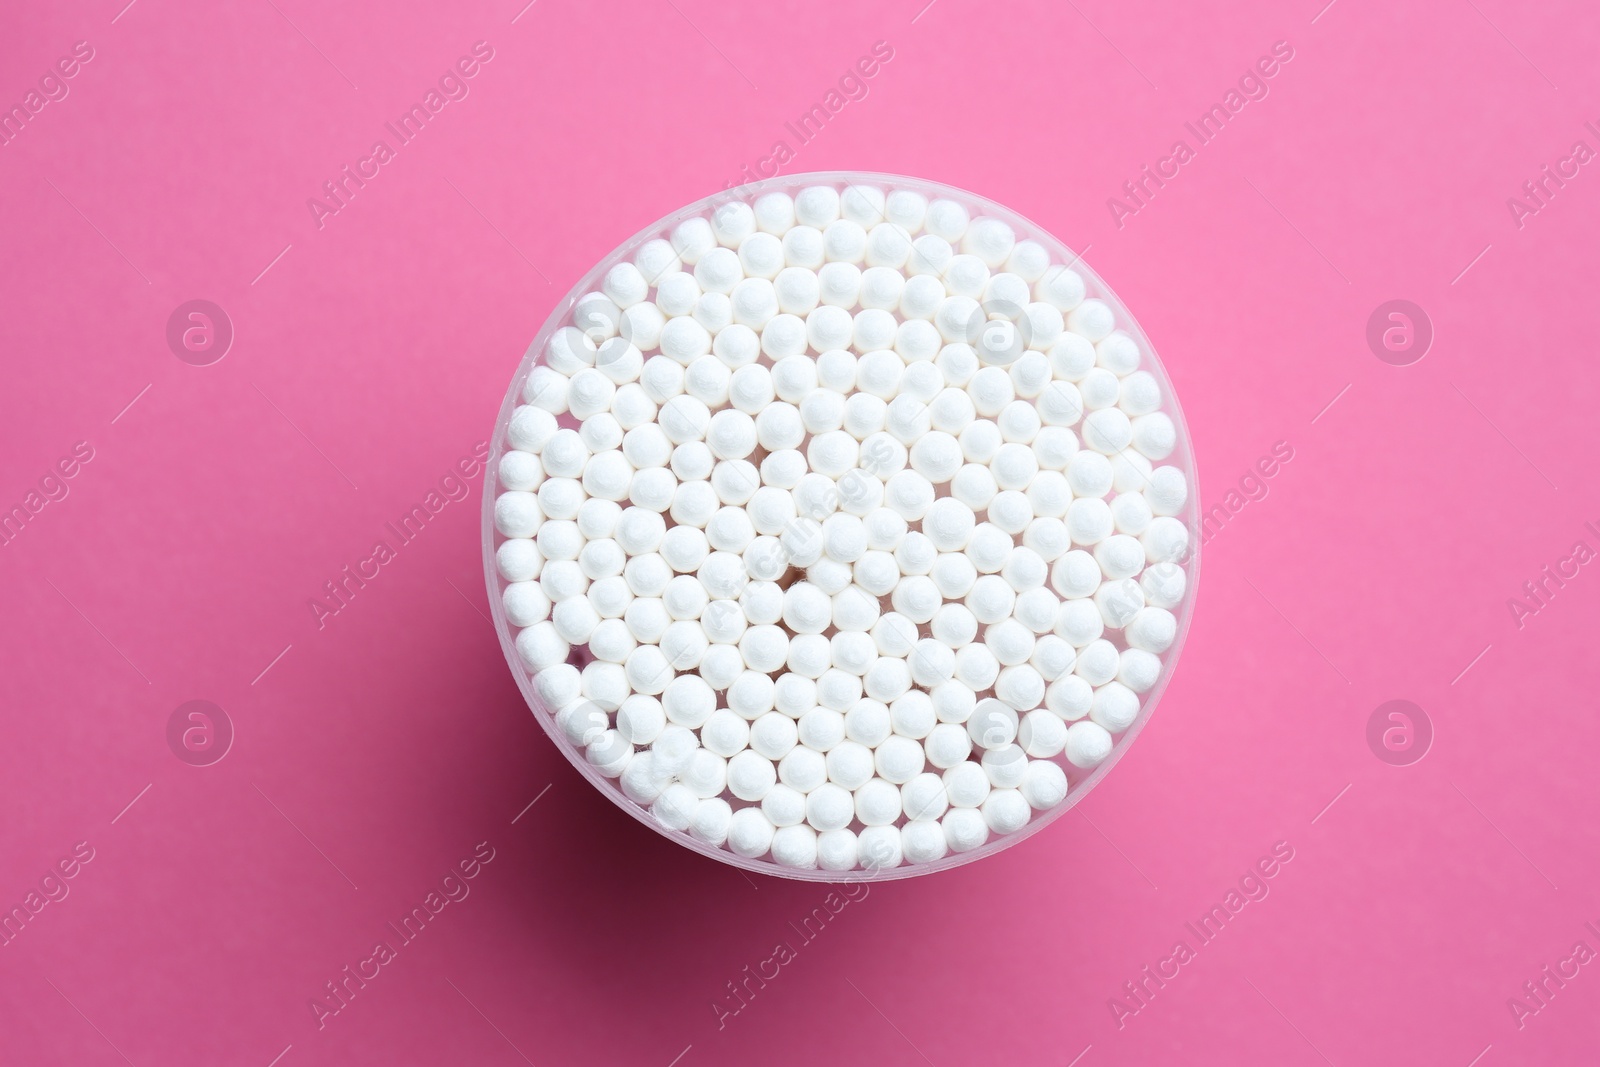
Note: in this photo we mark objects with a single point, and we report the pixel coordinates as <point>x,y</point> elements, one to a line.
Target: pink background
<point>378,751</point>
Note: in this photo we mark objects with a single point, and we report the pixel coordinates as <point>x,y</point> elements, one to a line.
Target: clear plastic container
<point>1080,781</point>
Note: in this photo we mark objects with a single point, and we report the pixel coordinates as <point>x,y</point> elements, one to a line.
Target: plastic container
<point>1080,781</point>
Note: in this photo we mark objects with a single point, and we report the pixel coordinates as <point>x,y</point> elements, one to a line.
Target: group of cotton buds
<point>834,530</point>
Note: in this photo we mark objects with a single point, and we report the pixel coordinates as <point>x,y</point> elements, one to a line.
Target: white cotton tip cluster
<point>842,528</point>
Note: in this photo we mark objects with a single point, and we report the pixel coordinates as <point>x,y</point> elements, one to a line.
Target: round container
<point>1080,782</point>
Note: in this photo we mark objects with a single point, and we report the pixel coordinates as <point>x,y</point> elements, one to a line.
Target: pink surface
<point>209,906</point>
